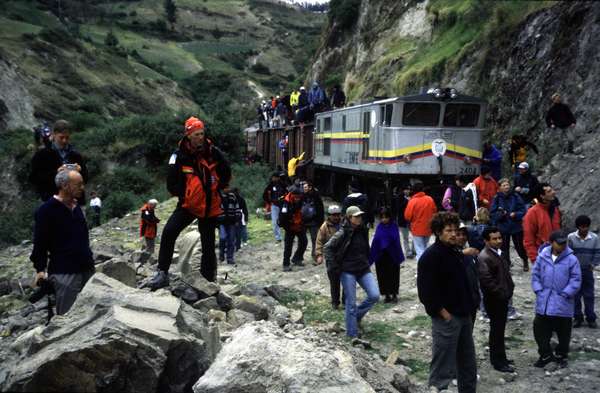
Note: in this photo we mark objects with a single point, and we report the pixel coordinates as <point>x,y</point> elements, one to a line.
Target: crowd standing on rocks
<point>450,279</point>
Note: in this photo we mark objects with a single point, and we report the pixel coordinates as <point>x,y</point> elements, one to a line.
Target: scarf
<point>387,238</point>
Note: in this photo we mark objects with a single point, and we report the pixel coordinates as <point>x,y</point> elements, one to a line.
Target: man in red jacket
<point>541,220</point>
<point>487,187</point>
<point>419,212</point>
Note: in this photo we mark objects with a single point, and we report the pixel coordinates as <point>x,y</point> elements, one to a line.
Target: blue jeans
<point>587,294</point>
<point>353,313</point>
<point>274,217</point>
<point>227,241</point>
<point>420,243</point>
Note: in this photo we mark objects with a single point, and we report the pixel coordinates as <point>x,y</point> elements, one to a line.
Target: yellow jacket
<point>294,98</point>
<point>293,163</point>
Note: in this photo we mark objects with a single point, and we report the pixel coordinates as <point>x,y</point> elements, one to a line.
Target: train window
<point>366,122</point>
<point>421,114</point>
<point>386,112</point>
<point>327,124</point>
<point>461,115</point>
<point>344,123</point>
<point>327,146</point>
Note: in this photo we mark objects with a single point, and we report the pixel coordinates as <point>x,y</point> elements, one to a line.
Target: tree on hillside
<point>171,11</point>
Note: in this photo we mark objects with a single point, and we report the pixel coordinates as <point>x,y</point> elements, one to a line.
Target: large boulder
<point>261,358</point>
<point>119,269</point>
<point>115,338</point>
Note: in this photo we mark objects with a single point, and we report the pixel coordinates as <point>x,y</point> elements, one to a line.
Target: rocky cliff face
<point>517,59</point>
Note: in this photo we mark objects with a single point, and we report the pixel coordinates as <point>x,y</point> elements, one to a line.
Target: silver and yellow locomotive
<point>431,137</point>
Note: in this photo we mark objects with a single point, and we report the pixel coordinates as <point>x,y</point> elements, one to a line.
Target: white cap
<point>153,202</point>
<point>334,209</point>
<point>302,88</point>
<point>523,165</point>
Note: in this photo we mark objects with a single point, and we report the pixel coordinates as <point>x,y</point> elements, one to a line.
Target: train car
<point>431,137</point>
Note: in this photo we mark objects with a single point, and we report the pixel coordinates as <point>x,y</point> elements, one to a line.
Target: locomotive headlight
<point>453,93</point>
<point>406,159</point>
<point>438,93</point>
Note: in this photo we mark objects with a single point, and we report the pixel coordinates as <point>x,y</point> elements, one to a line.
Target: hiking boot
<point>543,361</point>
<point>577,323</point>
<point>159,280</point>
<point>592,325</point>
<point>287,268</point>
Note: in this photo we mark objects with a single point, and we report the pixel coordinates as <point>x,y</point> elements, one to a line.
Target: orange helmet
<point>192,124</point>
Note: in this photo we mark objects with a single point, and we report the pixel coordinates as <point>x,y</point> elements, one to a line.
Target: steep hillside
<point>516,54</point>
<point>127,75</point>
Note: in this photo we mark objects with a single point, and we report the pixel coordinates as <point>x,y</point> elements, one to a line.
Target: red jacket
<point>537,227</point>
<point>419,211</point>
<point>486,189</point>
<point>148,223</point>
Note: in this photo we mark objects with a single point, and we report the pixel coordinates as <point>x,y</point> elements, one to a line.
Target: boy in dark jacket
<point>290,219</point>
<point>442,283</point>
<point>313,214</point>
<point>273,198</point>
<point>241,238</point>
<point>347,253</point>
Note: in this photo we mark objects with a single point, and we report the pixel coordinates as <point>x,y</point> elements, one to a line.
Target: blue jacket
<point>492,157</point>
<point>502,206</point>
<point>555,283</point>
<point>316,96</point>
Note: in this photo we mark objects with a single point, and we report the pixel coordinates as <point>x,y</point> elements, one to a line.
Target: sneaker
<point>159,280</point>
<point>543,361</point>
<point>287,268</point>
<point>577,323</point>
<point>592,325</point>
<point>505,368</point>
<point>514,315</point>
<point>561,361</point>
<point>300,263</point>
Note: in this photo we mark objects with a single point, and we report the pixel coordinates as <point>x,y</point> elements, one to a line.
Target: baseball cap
<point>354,211</point>
<point>334,209</point>
<point>523,165</point>
<point>558,236</point>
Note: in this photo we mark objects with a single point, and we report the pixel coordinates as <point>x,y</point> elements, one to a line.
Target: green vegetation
<point>420,322</point>
<point>344,12</point>
<point>420,368</point>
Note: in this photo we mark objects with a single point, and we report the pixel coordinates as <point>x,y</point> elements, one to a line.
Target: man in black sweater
<point>61,247</point>
<point>443,287</point>
<point>559,115</point>
<point>58,154</point>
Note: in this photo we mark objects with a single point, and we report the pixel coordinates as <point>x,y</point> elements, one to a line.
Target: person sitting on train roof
<point>492,157</point>
<point>338,98</point>
<point>317,98</point>
<point>486,186</point>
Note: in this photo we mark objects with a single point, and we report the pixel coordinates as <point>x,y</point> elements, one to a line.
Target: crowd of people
<point>299,106</point>
<point>467,267</point>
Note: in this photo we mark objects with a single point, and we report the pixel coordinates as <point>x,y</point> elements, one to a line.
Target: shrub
<point>261,69</point>
<point>111,39</point>
<point>344,12</point>
<point>251,180</point>
<point>119,203</point>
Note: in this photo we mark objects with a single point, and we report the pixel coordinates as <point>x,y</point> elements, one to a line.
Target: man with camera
<point>61,252</point>
<point>58,154</point>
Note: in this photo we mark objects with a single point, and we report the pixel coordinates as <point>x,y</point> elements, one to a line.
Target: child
<point>586,247</point>
<point>387,255</point>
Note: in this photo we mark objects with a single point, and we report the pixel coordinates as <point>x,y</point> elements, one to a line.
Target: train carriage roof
<point>412,98</point>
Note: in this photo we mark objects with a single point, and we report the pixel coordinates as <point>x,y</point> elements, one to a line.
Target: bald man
<point>61,247</point>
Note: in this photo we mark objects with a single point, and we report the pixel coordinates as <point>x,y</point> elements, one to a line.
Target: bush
<point>344,12</point>
<point>251,180</point>
<point>261,69</point>
<point>111,39</point>
<point>119,203</point>
<point>131,179</point>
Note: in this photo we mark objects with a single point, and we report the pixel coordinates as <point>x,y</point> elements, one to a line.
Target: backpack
<point>308,210</point>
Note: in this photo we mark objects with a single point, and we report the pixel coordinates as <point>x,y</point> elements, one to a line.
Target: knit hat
<point>192,124</point>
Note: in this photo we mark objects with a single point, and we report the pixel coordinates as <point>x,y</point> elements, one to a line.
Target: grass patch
<point>584,356</point>
<point>383,333</point>
<point>316,308</point>
<point>259,230</point>
<point>420,368</point>
<point>420,322</point>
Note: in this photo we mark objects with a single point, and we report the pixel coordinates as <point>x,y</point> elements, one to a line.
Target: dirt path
<point>406,328</point>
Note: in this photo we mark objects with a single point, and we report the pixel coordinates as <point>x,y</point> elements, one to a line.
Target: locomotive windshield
<point>461,115</point>
<point>421,114</point>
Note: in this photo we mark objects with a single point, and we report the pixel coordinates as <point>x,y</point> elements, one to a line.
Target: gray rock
<point>204,305</point>
<point>185,292</point>
<point>251,305</point>
<point>237,318</point>
<point>217,315</point>
<point>204,287</point>
<point>278,292</point>
<point>103,252</point>
<point>225,301</point>
<point>119,269</point>
<point>115,338</point>
<point>259,359</point>
<point>139,257</point>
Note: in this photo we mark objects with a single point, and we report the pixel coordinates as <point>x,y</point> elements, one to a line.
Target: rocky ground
<point>398,334</point>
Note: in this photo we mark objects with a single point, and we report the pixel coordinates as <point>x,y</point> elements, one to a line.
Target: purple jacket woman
<point>555,283</point>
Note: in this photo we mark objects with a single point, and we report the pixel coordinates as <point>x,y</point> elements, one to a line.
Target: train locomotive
<point>431,137</point>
